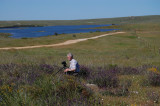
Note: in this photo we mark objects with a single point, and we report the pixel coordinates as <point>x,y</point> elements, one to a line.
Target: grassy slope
<point>139,46</point>
<point>121,20</point>
<point>134,48</point>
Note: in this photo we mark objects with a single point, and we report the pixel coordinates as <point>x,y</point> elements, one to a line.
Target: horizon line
<point>81,19</point>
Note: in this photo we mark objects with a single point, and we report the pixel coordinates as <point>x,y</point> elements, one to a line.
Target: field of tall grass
<point>122,69</point>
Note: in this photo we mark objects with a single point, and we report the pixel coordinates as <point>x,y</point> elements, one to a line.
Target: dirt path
<point>60,44</point>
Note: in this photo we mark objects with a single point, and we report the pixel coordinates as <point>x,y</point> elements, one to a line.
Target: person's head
<point>69,56</point>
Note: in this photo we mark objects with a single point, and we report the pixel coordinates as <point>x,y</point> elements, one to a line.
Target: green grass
<point>5,35</point>
<point>132,50</point>
<point>138,46</point>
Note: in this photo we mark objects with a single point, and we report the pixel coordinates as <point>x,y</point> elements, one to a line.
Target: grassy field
<point>125,67</point>
<point>6,41</point>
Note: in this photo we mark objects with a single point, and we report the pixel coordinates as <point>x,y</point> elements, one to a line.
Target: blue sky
<point>75,9</point>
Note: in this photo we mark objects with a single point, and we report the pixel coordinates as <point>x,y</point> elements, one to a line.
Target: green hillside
<point>120,20</point>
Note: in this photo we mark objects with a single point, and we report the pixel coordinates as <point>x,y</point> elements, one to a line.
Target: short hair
<point>70,55</point>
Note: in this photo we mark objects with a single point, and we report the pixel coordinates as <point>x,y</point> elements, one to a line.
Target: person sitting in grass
<point>74,66</point>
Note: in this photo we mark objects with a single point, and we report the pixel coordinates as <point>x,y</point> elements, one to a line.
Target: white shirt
<point>74,65</point>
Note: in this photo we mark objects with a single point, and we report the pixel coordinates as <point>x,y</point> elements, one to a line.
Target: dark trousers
<point>71,73</point>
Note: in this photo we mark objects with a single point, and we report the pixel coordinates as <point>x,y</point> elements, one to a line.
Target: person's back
<point>74,65</point>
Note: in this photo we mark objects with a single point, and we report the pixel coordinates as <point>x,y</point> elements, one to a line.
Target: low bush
<point>151,77</point>
<point>120,90</point>
<point>85,71</point>
<point>34,85</point>
<point>154,79</point>
<point>104,78</point>
<point>46,68</point>
<point>5,35</point>
<point>153,96</point>
<point>129,71</point>
<point>56,33</point>
<point>74,36</point>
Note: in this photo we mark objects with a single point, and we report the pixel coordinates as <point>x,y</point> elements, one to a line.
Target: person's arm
<point>68,69</point>
<point>72,67</point>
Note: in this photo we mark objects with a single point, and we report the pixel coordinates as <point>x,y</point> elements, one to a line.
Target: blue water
<point>29,32</point>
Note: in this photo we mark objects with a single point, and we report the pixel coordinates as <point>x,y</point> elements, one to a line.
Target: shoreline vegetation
<point>5,35</point>
<point>17,26</point>
<point>122,69</point>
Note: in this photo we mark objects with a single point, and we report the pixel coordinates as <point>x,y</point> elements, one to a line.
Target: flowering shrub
<point>129,71</point>
<point>47,68</point>
<point>120,91</point>
<point>8,67</point>
<point>153,96</point>
<point>81,101</point>
<point>104,78</point>
<point>126,70</point>
<point>85,71</point>
<point>154,79</point>
<point>34,84</point>
<point>154,70</point>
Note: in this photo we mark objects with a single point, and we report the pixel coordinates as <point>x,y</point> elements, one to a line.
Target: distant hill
<point>120,20</point>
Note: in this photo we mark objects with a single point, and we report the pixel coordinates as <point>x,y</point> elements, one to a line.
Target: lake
<point>29,32</point>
